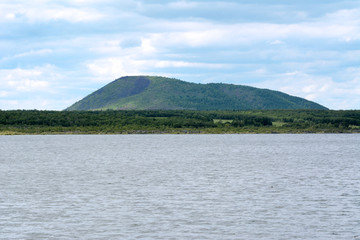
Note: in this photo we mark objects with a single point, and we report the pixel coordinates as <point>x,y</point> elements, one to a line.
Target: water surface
<point>180,187</point>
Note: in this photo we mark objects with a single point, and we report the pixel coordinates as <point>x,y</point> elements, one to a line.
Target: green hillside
<point>151,93</point>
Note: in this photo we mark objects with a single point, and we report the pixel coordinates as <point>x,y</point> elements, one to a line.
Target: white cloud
<point>183,4</point>
<point>44,87</point>
<point>67,14</point>
<point>80,2</point>
<point>28,80</point>
<point>183,64</point>
<point>322,89</point>
<point>276,42</point>
<point>46,12</point>
<point>34,53</point>
<point>343,16</point>
<point>4,94</point>
<point>36,102</point>
<point>27,85</point>
<point>147,47</point>
<point>113,68</point>
<point>9,104</point>
<point>197,34</point>
<point>31,53</point>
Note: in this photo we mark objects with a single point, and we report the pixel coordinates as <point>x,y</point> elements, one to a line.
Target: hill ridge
<point>161,93</point>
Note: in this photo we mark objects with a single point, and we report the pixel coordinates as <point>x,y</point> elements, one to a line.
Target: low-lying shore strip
<point>180,131</point>
<point>21,122</point>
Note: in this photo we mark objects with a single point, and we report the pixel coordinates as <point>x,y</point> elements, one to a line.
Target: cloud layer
<point>56,52</point>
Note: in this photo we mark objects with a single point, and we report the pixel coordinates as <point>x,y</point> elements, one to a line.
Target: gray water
<point>180,187</point>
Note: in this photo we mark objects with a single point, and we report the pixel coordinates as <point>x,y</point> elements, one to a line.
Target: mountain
<point>148,92</point>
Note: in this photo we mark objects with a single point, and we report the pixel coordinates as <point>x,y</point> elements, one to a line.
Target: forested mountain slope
<point>152,93</point>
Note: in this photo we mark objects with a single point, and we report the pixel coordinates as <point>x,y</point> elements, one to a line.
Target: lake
<point>303,186</point>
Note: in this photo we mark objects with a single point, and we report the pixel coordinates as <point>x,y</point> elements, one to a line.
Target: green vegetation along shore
<point>178,121</point>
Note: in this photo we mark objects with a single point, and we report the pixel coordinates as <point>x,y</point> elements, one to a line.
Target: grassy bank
<point>178,122</point>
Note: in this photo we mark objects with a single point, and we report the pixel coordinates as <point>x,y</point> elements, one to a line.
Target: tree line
<point>32,121</point>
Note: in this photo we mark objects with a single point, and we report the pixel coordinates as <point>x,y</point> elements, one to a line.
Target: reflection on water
<point>180,187</point>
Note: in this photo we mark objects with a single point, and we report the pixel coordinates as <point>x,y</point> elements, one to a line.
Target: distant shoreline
<point>33,122</point>
<point>15,133</point>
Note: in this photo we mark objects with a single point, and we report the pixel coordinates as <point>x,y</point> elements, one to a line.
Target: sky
<point>53,53</point>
